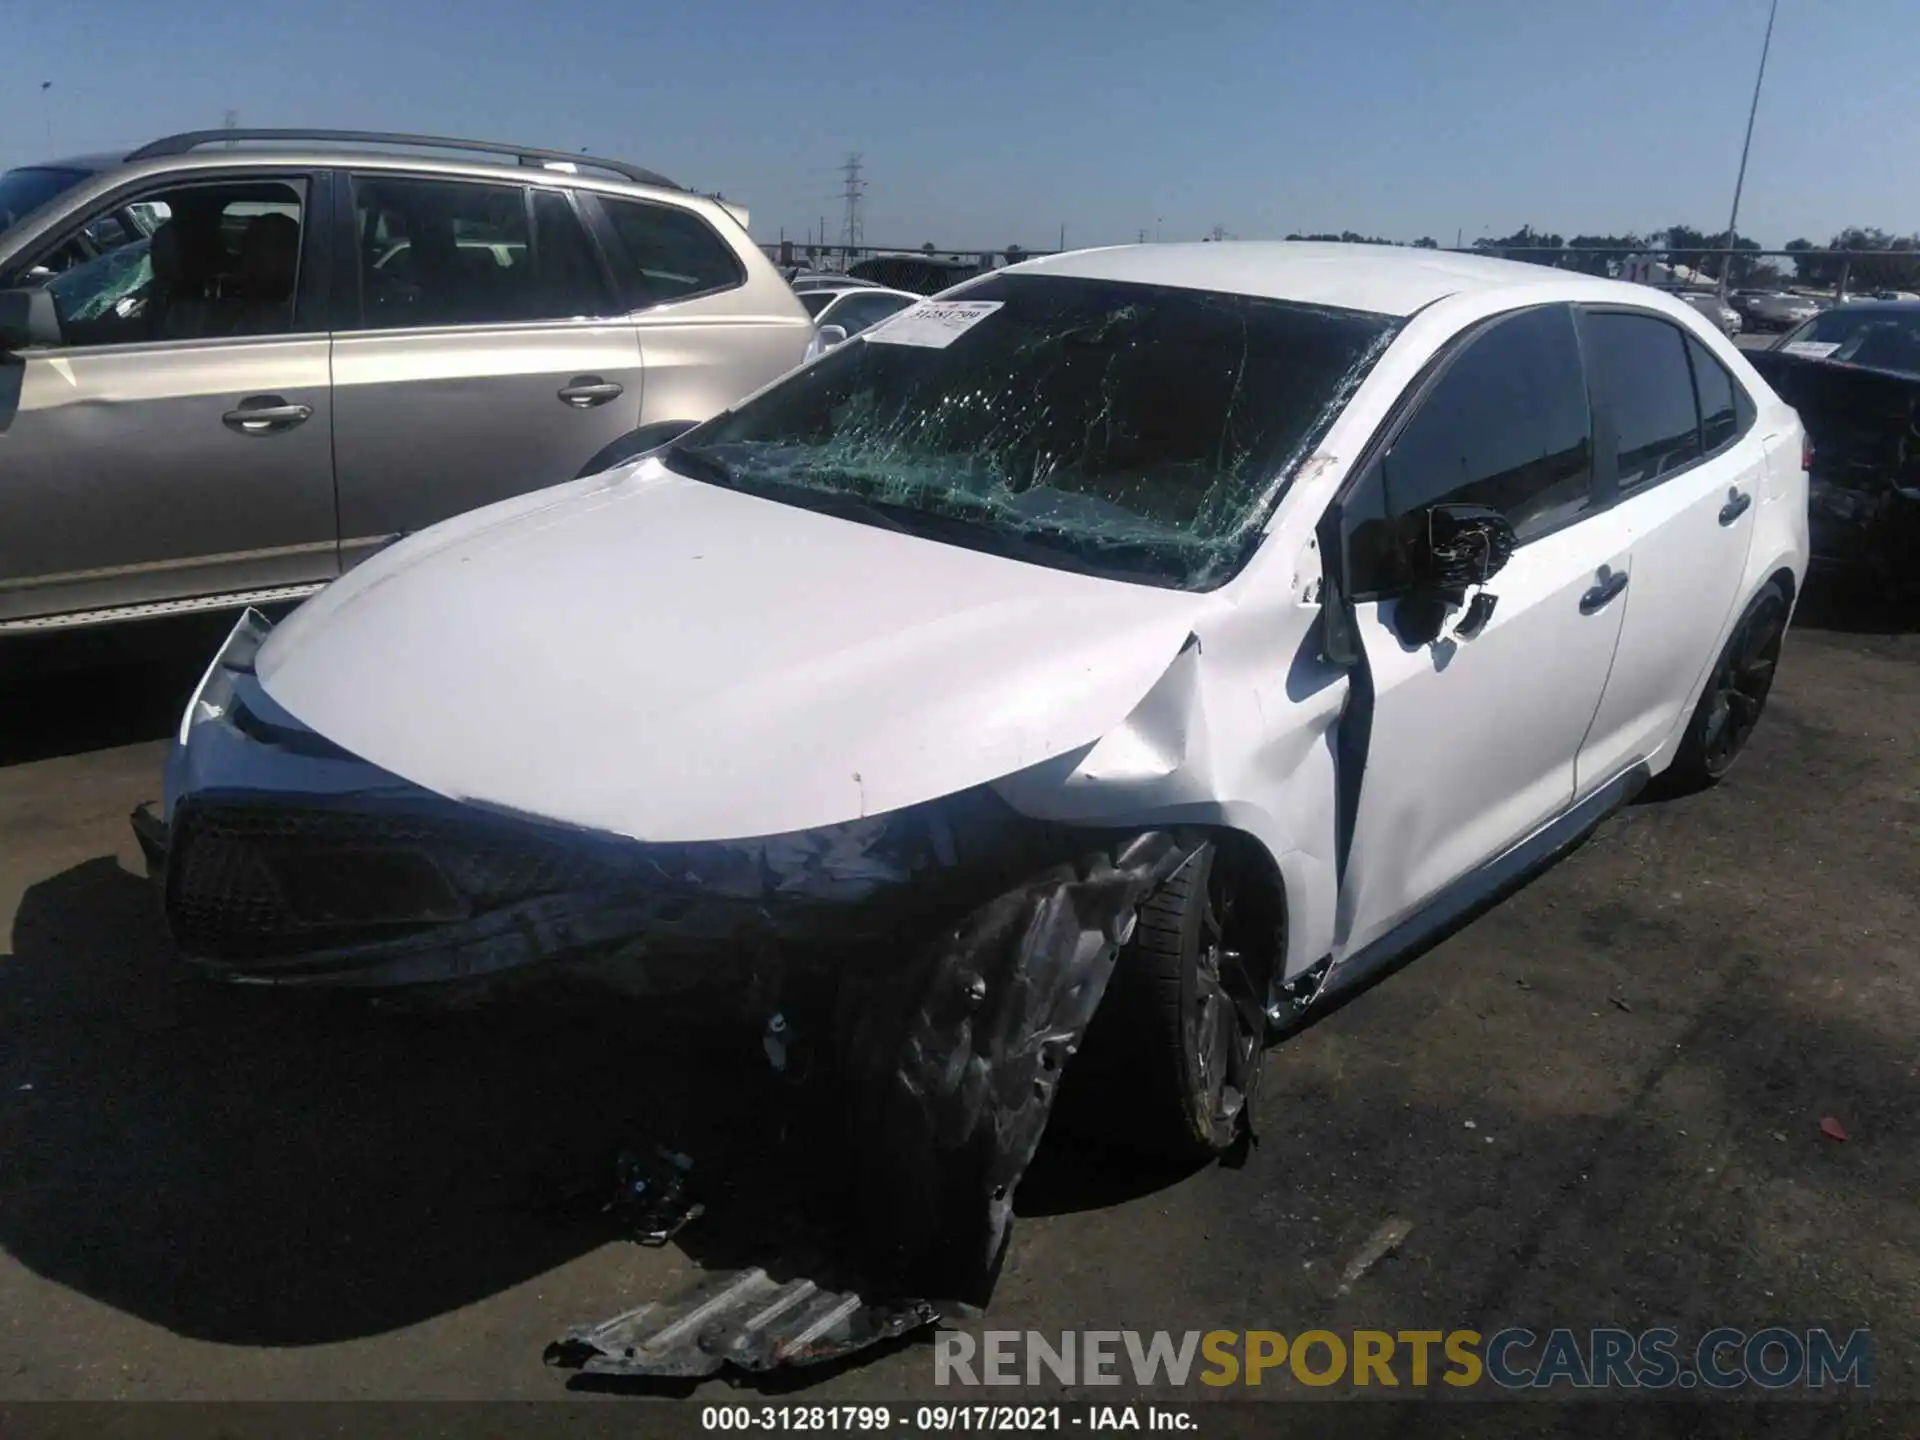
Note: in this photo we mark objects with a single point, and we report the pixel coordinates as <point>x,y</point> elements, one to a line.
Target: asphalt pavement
<point>1600,1104</point>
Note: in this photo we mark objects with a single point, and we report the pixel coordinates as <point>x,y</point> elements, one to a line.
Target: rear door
<point>484,354</point>
<point>1463,745</point>
<point>178,441</point>
<point>1687,465</point>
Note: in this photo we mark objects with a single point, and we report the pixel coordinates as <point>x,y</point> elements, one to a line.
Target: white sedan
<point>1221,621</point>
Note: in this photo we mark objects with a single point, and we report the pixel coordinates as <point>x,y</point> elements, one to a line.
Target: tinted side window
<point>669,253</point>
<point>435,252</point>
<point>569,275</point>
<point>1640,364</point>
<point>816,301</point>
<point>1720,417</point>
<point>1506,426</point>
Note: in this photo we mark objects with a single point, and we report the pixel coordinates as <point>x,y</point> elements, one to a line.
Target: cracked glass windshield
<point>1137,431</point>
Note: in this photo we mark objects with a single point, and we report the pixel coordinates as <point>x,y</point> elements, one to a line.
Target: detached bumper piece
<point>743,1318</point>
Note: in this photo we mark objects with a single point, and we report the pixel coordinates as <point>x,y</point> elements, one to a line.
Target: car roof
<point>1383,279</point>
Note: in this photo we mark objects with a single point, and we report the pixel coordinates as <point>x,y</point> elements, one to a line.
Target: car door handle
<point>1736,506</point>
<point>1598,597</point>
<point>265,415</point>
<point>583,392</point>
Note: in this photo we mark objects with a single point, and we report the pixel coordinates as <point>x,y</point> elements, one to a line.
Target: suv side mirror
<point>27,318</point>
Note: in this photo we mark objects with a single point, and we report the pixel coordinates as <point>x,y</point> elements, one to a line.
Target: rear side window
<point>1640,364</point>
<point>436,252</point>
<point>1720,418</point>
<point>667,253</point>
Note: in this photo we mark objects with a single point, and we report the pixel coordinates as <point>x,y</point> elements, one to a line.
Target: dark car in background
<point>1853,373</point>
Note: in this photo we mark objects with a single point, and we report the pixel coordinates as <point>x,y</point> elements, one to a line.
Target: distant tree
<point>1898,268</point>
<point>1600,254</point>
<point>1527,244</point>
<point>928,247</point>
<point>1808,268</point>
<point>1426,242</point>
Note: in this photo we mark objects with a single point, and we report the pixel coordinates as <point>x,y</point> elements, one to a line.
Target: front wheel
<point>1173,1056</point>
<point>1736,694</point>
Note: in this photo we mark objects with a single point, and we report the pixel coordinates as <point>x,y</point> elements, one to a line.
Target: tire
<point>1173,1055</point>
<point>1734,698</point>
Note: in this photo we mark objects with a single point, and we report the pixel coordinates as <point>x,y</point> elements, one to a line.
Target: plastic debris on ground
<point>1833,1129</point>
<point>743,1318</point>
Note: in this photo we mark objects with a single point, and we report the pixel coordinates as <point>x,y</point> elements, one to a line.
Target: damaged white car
<point>1223,622</point>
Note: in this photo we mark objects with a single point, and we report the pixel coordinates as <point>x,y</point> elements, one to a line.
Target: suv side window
<point>222,261</point>
<point>1639,363</point>
<point>1506,425</point>
<point>438,252</point>
<point>669,254</point>
<point>1722,416</point>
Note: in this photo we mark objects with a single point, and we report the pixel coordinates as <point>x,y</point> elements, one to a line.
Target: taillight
<point>1806,452</point>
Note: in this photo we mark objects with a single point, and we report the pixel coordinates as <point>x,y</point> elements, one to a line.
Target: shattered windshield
<point>1138,431</point>
<point>1879,338</point>
<point>26,190</point>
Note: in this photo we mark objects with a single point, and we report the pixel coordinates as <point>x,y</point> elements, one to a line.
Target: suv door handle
<point>583,392</point>
<point>265,415</point>
<point>1737,502</point>
<point>1596,599</point>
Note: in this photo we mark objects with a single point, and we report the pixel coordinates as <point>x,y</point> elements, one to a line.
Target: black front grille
<point>249,882</point>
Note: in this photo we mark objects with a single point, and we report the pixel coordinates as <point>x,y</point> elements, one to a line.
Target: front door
<point>1462,745</point>
<point>178,441</point>
<point>486,355</point>
<point>1689,485</point>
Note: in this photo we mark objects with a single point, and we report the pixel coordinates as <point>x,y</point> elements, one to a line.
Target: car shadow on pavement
<point>262,1167</point>
<point>276,1168</point>
<point>68,692</point>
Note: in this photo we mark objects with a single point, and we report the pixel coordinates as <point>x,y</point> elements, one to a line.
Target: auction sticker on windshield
<point>1812,349</point>
<point>932,324</point>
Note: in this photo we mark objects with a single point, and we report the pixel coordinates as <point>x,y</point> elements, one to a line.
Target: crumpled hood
<point>661,658</point>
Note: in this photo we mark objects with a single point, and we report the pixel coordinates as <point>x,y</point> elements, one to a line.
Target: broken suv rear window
<point>1134,430</point>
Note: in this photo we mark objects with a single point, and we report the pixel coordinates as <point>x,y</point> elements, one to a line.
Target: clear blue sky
<point>987,122</point>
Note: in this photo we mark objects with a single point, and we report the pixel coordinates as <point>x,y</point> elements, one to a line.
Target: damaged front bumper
<point>967,948</point>
<point>286,860</point>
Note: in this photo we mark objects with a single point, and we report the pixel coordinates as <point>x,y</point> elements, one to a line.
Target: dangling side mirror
<point>1452,548</point>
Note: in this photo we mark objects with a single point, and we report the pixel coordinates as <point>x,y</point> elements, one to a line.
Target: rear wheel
<point>1736,694</point>
<point>1171,1061</point>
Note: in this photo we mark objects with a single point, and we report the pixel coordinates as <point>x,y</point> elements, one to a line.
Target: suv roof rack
<point>526,155</point>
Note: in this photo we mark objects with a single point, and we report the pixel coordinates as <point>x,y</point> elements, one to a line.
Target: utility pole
<point>1143,237</point>
<point>1219,232</point>
<point>231,122</point>
<point>1063,236</point>
<point>1733,221</point>
<point>46,111</point>
<point>852,189</point>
